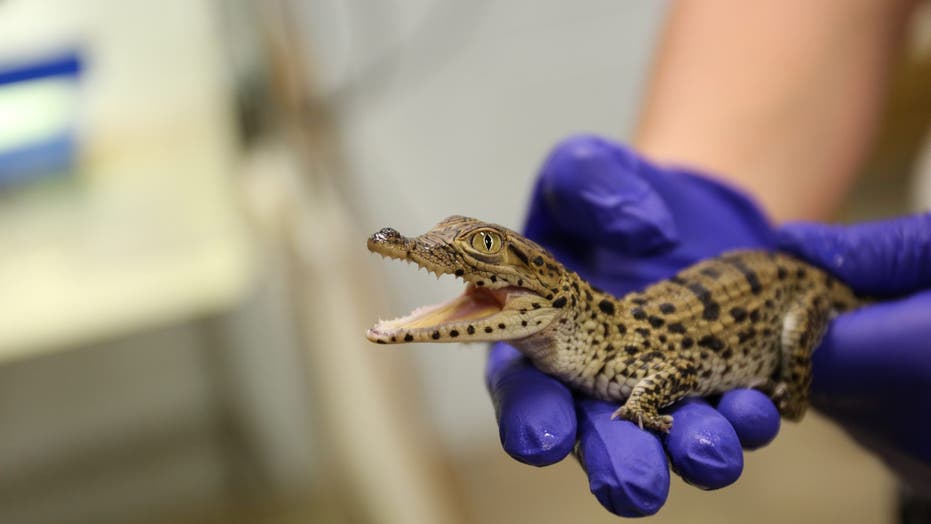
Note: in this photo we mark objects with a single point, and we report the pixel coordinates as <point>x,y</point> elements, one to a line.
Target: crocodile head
<point>514,288</point>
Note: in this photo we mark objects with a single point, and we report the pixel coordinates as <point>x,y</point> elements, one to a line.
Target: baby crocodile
<point>743,319</point>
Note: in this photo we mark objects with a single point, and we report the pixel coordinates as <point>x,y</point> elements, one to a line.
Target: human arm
<point>779,98</point>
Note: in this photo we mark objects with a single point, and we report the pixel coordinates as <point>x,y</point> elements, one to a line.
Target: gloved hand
<point>623,223</point>
<point>872,371</point>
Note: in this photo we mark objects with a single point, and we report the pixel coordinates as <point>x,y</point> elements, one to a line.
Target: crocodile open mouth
<point>459,316</point>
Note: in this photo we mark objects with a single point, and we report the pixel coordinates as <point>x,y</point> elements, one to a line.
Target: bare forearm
<point>779,97</point>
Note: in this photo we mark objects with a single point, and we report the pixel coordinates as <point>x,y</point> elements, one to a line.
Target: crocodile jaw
<point>479,314</point>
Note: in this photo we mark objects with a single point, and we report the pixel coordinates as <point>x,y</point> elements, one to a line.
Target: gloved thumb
<point>592,189</point>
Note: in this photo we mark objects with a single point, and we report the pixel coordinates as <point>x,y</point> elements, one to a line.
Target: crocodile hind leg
<point>802,328</point>
<point>661,387</point>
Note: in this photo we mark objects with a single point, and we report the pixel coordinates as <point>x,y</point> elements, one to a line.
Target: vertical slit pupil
<point>488,241</point>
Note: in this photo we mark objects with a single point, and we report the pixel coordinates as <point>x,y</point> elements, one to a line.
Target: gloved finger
<point>884,258</point>
<point>591,189</point>
<point>753,416</point>
<point>535,412</point>
<point>626,466</point>
<point>883,347</point>
<point>703,447</point>
<point>871,373</point>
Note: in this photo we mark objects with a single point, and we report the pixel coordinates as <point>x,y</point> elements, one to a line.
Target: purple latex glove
<point>872,372</point>
<point>622,224</point>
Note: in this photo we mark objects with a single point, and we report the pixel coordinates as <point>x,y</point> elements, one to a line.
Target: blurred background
<point>185,191</point>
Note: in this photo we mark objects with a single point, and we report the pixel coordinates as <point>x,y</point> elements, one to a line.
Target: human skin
<point>779,98</point>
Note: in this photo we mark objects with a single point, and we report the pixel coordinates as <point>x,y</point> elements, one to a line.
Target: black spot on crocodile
<point>501,326</point>
<point>488,329</point>
<point>380,341</point>
<point>767,332</point>
<point>631,350</point>
<point>656,321</point>
<point>575,286</point>
<point>676,327</point>
<point>746,335</point>
<point>755,316</point>
<point>493,278</point>
<point>606,307</point>
<point>710,272</point>
<point>738,313</point>
<point>523,310</point>
<point>687,342</point>
<point>453,333</point>
<point>520,282</point>
<point>535,305</point>
<point>408,337</point>
<point>800,273</point>
<point>711,342</point>
<point>435,335</point>
<point>769,303</point>
<point>663,339</point>
<point>459,272</point>
<point>640,301</point>
<point>602,368</point>
<point>588,295</point>
<point>551,267</point>
<point>727,353</point>
<point>470,330</point>
<point>652,355</point>
<point>480,283</point>
<point>711,308</point>
<point>706,373</point>
<point>523,323</point>
<point>538,260</point>
<point>594,315</point>
<point>643,332</point>
<point>609,349</point>
<point>750,275</point>
<point>781,273</point>
<point>666,308</point>
<point>549,296</point>
<point>573,302</point>
<point>559,302</point>
<point>394,339</point>
<point>712,311</point>
<point>622,329</point>
<point>638,313</point>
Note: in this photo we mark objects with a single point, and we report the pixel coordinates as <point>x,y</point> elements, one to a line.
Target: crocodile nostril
<point>385,234</point>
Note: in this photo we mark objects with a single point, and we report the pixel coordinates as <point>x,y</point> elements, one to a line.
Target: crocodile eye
<point>487,242</point>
